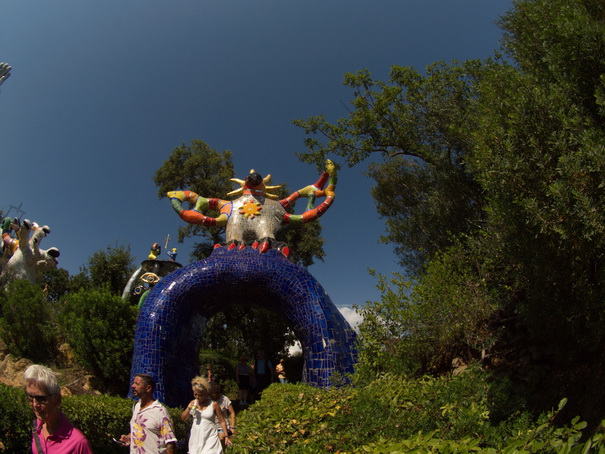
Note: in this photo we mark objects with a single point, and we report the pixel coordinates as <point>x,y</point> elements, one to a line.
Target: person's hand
<point>125,440</point>
<point>228,442</point>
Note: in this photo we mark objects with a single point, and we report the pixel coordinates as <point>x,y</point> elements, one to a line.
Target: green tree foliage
<point>99,326</point>
<point>419,124</point>
<point>540,159</point>
<point>561,43</point>
<point>57,282</point>
<point>26,322</point>
<point>503,160</point>
<point>422,325</point>
<point>203,170</point>
<point>244,330</point>
<point>111,266</point>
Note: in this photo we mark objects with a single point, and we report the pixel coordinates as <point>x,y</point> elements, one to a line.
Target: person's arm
<point>167,432</point>
<point>219,414</point>
<point>231,411</point>
<point>186,413</point>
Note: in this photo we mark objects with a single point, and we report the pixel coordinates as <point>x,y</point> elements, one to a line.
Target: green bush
<point>541,437</point>
<point>397,415</point>
<point>422,325</point>
<point>15,420</point>
<point>292,418</point>
<point>26,324</point>
<point>100,418</point>
<point>99,326</point>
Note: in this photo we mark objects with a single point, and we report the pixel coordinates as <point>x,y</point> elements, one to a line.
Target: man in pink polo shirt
<point>53,433</point>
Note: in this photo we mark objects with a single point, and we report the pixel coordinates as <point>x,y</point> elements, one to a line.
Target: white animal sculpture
<point>28,258</point>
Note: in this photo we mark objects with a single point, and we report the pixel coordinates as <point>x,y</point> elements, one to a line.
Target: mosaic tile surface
<point>174,316</point>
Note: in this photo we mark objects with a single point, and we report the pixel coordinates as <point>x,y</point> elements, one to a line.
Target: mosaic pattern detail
<point>174,316</point>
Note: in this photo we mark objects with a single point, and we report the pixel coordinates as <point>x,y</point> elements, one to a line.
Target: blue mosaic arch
<point>174,316</point>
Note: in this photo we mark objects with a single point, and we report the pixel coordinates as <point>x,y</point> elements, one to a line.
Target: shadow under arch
<point>174,316</point>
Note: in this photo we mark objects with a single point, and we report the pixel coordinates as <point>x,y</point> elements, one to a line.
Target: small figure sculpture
<point>27,258</point>
<point>255,217</point>
<point>148,275</point>
<point>172,254</point>
<point>155,251</point>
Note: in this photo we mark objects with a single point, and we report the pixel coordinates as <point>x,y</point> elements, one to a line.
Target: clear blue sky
<point>102,92</point>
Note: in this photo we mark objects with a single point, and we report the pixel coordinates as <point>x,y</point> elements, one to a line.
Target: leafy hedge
<point>15,420</point>
<point>394,414</point>
<point>99,417</point>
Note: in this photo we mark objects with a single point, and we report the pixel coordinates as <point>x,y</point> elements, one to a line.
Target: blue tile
<point>175,312</point>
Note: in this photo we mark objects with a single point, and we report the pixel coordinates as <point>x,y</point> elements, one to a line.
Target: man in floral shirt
<point>150,427</point>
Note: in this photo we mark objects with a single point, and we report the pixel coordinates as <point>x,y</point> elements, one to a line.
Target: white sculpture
<point>27,259</point>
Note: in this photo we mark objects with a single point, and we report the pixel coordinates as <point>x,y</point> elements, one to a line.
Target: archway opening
<point>175,314</point>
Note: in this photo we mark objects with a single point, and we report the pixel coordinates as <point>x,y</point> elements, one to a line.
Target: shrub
<point>100,418</point>
<point>397,415</point>
<point>540,437</point>
<point>26,324</point>
<point>15,420</point>
<point>423,325</point>
<point>99,326</point>
<point>291,418</point>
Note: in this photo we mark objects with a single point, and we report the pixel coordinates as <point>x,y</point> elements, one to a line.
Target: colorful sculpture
<point>174,314</point>
<point>173,318</point>
<point>155,251</point>
<point>22,257</point>
<point>9,239</point>
<point>172,254</point>
<point>255,217</point>
<point>148,275</point>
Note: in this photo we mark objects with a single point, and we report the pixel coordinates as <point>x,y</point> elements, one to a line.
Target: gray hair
<point>42,376</point>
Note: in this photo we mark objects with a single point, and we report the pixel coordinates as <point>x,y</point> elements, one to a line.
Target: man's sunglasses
<point>40,399</point>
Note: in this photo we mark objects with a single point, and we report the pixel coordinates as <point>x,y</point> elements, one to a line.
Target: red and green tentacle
<point>201,204</point>
<point>313,192</point>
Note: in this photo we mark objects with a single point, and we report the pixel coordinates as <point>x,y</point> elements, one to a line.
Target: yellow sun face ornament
<point>250,208</point>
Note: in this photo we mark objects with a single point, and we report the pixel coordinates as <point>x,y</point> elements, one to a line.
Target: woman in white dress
<point>204,414</point>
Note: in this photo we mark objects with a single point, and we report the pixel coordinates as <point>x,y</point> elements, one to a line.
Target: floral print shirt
<point>150,429</point>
